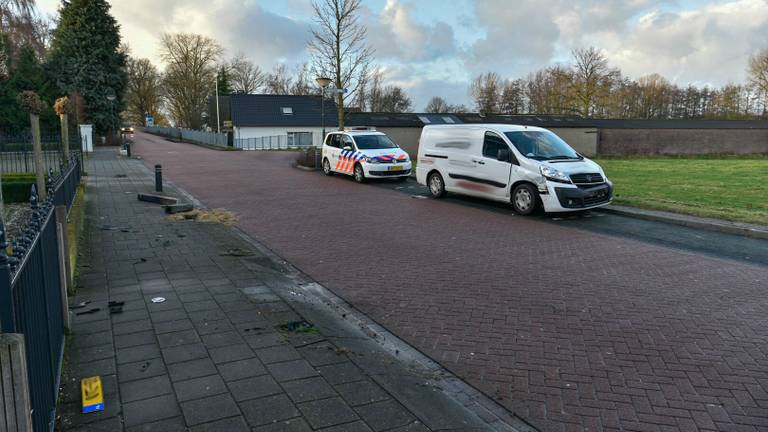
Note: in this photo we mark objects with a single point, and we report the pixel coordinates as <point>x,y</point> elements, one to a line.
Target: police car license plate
<point>395,168</point>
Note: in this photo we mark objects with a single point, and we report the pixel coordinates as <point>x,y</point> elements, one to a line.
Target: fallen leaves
<point>213,215</point>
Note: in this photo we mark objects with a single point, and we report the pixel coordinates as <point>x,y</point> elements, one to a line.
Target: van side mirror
<point>347,148</point>
<point>503,155</point>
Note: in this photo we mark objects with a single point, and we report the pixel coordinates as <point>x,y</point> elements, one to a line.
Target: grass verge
<point>729,188</point>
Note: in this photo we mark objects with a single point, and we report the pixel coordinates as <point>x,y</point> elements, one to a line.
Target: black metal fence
<point>32,294</point>
<point>16,155</point>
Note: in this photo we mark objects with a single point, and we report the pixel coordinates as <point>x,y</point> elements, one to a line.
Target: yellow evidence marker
<point>93,394</point>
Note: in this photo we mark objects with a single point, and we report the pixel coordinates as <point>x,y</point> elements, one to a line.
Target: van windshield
<point>373,142</point>
<point>542,145</point>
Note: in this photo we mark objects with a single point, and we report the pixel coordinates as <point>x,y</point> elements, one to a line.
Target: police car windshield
<point>373,142</point>
<point>542,145</point>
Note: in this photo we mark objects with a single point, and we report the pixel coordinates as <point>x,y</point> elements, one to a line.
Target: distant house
<point>297,119</point>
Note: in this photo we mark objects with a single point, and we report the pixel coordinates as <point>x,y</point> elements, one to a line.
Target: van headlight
<point>554,175</point>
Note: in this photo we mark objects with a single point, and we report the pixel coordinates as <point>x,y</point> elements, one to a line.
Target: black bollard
<point>128,148</point>
<point>158,178</point>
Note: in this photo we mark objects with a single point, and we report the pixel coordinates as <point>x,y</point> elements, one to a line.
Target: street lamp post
<point>218,122</point>
<point>111,98</point>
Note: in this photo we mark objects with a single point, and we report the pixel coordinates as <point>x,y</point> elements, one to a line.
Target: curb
<point>734,228</point>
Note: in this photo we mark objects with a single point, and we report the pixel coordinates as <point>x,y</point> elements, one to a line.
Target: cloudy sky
<point>435,47</point>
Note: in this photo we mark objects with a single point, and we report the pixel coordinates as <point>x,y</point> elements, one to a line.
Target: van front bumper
<point>560,198</point>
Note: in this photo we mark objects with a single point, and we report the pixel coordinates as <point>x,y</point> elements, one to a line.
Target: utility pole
<point>218,122</point>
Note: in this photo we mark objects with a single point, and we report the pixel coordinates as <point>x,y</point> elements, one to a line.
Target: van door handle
<point>479,162</point>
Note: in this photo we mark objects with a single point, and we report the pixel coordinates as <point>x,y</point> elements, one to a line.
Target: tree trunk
<point>340,109</point>
<point>37,148</point>
<point>65,137</point>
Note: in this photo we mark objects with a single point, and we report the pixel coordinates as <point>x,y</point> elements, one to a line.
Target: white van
<point>364,153</point>
<point>527,166</point>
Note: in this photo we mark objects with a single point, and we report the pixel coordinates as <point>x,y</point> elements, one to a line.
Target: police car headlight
<point>554,175</point>
<point>371,160</point>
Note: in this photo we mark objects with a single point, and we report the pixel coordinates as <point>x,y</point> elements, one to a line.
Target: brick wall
<point>624,142</point>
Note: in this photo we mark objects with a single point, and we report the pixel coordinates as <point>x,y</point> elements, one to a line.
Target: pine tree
<point>85,57</point>
<point>25,73</point>
<point>224,82</point>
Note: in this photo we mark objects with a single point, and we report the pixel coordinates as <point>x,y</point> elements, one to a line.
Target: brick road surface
<point>569,329</point>
<point>215,354</point>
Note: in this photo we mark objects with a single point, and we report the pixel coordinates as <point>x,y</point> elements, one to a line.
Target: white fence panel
<point>202,137</point>
<point>275,142</point>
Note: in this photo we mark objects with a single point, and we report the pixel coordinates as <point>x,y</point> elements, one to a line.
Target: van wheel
<point>359,174</point>
<point>525,198</point>
<point>327,167</point>
<point>436,185</point>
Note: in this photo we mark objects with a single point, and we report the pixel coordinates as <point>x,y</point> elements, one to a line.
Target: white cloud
<point>710,45</point>
<point>265,37</point>
<point>706,44</point>
<point>393,33</point>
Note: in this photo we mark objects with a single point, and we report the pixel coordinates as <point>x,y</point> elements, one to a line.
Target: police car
<point>364,153</point>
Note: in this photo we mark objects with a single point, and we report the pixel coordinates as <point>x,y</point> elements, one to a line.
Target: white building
<point>280,121</point>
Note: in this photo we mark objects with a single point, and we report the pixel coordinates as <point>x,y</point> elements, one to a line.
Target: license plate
<point>395,168</point>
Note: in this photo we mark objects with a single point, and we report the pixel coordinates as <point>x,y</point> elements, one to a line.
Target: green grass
<point>725,188</point>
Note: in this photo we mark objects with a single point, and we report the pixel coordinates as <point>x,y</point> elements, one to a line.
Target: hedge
<point>16,187</point>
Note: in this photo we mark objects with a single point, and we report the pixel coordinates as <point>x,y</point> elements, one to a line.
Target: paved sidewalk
<point>221,352</point>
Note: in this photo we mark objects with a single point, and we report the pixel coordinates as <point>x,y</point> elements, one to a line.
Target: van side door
<point>492,172</point>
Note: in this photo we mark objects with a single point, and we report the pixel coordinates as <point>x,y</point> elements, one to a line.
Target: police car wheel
<point>359,174</point>
<point>327,167</point>
<point>436,185</point>
<point>525,199</point>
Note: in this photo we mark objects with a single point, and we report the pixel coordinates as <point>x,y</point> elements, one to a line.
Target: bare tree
<point>512,97</point>
<point>393,99</point>
<point>591,78</point>
<point>190,74</point>
<point>279,81</point>
<point>374,89</point>
<point>758,75</point>
<point>21,26</point>
<point>437,105</point>
<point>246,78</point>
<point>338,47</point>
<point>361,96</point>
<point>303,83</point>
<point>486,91</point>
<point>144,91</point>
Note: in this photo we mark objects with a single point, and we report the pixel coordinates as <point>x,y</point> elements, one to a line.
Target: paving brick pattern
<point>569,329</point>
<point>210,357</point>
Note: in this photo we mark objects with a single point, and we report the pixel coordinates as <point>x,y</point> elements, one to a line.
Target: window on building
<point>299,139</point>
<point>287,110</point>
<point>448,119</point>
